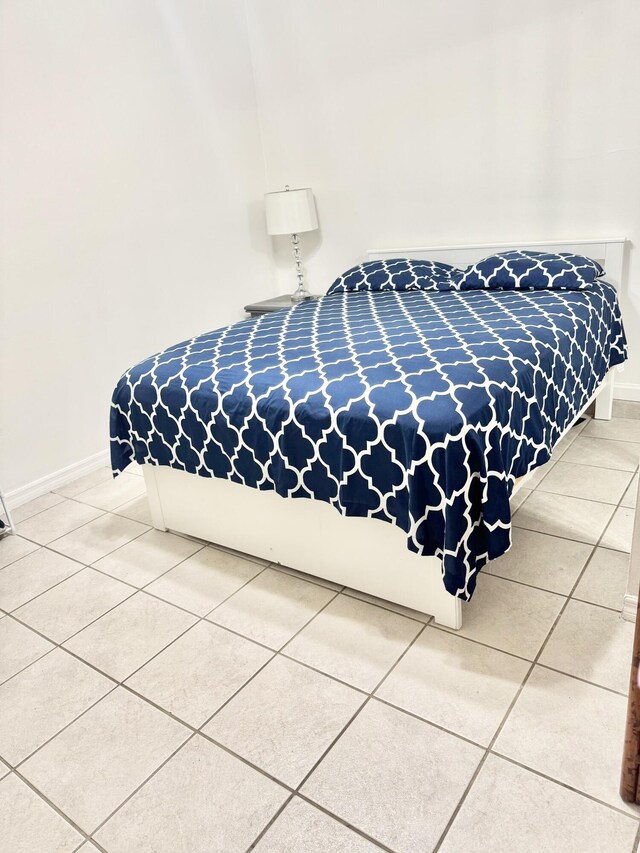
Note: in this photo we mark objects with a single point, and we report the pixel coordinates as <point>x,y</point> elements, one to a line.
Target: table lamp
<point>292,212</point>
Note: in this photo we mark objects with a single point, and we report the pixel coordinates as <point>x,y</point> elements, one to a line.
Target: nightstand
<point>267,306</point>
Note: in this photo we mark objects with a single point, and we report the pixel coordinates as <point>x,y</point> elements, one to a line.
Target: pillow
<point>397,274</point>
<point>525,270</point>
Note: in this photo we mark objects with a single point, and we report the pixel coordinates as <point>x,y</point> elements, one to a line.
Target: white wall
<point>132,181</point>
<point>132,167</point>
<point>426,122</point>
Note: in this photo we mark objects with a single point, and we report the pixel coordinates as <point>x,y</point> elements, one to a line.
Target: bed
<point>295,436</point>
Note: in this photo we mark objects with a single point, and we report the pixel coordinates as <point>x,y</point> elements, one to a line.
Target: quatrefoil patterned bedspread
<point>417,408</point>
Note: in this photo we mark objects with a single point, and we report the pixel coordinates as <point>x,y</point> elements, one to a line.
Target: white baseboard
<point>630,607</point>
<point>626,391</point>
<point>56,479</point>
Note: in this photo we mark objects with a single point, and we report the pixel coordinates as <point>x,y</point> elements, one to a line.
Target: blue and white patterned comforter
<point>418,408</point>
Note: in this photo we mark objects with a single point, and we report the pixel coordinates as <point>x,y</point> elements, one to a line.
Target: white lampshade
<point>291,211</point>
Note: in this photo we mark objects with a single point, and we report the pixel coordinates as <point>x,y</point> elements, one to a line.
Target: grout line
<point>66,726</point>
<point>456,633</point>
<point>108,554</point>
<point>602,438</point>
<point>542,491</point>
<point>531,585</point>
<point>553,591</point>
<point>85,836</point>
<point>276,653</point>
<point>15,511</point>
<point>100,514</point>
<point>48,652</point>
<point>567,786</point>
<point>375,841</point>
<point>432,723</point>
<point>335,741</point>
<point>270,822</point>
<point>583,680</point>
<point>569,539</point>
<point>597,604</point>
<point>149,777</point>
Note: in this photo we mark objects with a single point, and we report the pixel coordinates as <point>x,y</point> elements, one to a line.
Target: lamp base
<point>301,295</point>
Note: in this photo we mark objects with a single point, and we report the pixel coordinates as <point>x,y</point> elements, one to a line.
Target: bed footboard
<point>310,536</point>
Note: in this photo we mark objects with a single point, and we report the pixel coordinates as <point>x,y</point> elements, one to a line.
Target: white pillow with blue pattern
<point>398,274</point>
<point>528,270</point>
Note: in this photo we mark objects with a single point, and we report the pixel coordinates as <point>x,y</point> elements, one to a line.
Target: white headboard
<point>610,253</point>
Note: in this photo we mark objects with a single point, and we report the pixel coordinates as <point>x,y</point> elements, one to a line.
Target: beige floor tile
<point>127,637</point>
<point>394,777</point>
<point>570,731</point>
<point>136,510</point>
<point>98,538</point>
<point>113,493</point>
<point>388,605</point>
<point>218,803</point>
<point>42,699</point>
<point>459,685</point>
<point>630,497</point>
<point>33,575</point>
<point>91,767</point>
<point>195,675</point>
<point>626,409</point>
<point>541,560</point>
<point>29,825</point>
<point>569,518</point>
<point>566,442</point>
<point>285,719</point>
<point>511,809</point>
<point>592,643</point>
<point>561,447</point>
<point>88,847</point>
<point>354,641</point>
<point>302,827</point>
<point>81,484</point>
<point>146,558</point>
<point>272,607</point>
<point>602,453</point>
<point>620,429</point>
<point>4,769</point>
<point>619,533</point>
<point>14,547</point>
<point>73,604</point>
<point>57,521</point>
<point>19,647</point>
<point>203,581</point>
<point>605,579</point>
<point>519,498</point>
<point>605,485</point>
<point>509,616</point>
<point>538,474</point>
<point>31,508</point>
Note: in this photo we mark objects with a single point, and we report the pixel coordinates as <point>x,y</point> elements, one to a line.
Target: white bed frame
<point>364,554</point>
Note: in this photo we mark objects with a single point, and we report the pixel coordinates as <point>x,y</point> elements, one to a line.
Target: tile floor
<point>159,694</point>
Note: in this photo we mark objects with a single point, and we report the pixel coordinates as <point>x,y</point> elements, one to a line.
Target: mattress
<point>419,409</point>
